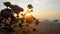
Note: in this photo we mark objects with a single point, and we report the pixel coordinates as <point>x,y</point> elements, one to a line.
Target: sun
<point>28,14</point>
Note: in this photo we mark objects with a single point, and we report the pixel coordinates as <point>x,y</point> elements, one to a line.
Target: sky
<point>49,9</point>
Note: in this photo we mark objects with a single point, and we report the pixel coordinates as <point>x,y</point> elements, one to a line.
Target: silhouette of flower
<point>7,4</point>
<point>30,6</point>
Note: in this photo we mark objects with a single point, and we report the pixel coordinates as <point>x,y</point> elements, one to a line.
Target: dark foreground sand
<point>42,28</point>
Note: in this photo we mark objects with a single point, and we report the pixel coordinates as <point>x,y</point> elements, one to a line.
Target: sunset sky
<point>42,8</point>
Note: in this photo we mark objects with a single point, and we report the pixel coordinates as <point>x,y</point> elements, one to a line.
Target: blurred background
<point>43,9</point>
